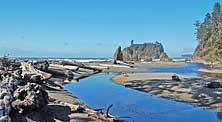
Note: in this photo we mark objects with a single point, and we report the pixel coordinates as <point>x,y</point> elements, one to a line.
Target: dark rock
<point>214,84</point>
<point>175,77</point>
<point>139,52</point>
<point>118,55</point>
<point>114,62</point>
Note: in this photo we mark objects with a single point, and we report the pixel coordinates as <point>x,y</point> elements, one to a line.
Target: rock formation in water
<point>142,52</point>
<point>118,55</point>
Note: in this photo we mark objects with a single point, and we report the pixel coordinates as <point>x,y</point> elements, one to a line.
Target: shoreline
<point>146,76</point>
<point>38,94</point>
<point>190,90</point>
<point>159,84</point>
<point>162,64</point>
<point>108,66</point>
<point>212,71</point>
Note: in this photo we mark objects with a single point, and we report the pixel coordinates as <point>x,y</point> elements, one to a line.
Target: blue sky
<point>94,28</point>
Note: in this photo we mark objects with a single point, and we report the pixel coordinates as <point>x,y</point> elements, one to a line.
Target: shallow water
<point>189,69</point>
<point>99,91</point>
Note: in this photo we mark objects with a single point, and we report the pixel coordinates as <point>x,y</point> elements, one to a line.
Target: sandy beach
<point>145,76</point>
<point>161,64</point>
<point>136,67</point>
<point>56,73</point>
<point>189,89</point>
<point>111,61</point>
<point>63,107</point>
<point>213,71</point>
<point>38,94</point>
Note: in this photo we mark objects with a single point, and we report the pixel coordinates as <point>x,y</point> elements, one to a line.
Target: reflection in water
<point>219,116</point>
<point>98,91</point>
<point>190,69</point>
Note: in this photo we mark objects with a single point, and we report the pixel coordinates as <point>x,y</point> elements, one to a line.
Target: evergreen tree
<point>209,35</point>
<point>203,29</point>
<point>218,43</point>
<point>216,15</point>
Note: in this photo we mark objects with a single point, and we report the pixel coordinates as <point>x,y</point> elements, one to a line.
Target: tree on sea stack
<point>132,42</point>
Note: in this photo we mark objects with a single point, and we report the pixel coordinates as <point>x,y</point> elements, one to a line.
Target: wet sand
<point>161,64</point>
<point>61,105</point>
<point>145,76</point>
<point>62,100</point>
<point>73,105</point>
<point>190,89</point>
<point>136,67</point>
<point>213,71</point>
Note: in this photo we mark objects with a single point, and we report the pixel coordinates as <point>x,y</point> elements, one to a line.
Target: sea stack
<point>118,55</point>
<point>141,52</point>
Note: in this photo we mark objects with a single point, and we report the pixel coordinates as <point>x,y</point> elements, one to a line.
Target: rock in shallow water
<point>117,55</point>
<point>139,52</point>
<point>175,77</point>
<point>214,84</point>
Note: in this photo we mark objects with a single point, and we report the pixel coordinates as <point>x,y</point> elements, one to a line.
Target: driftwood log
<point>80,65</point>
<point>60,72</point>
<point>29,97</point>
<point>41,65</point>
<point>28,68</point>
<point>22,89</point>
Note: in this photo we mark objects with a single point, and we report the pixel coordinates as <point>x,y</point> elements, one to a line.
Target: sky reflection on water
<point>99,91</point>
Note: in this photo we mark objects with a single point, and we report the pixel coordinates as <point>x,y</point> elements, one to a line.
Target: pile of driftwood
<point>21,84</point>
<point>20,89</point>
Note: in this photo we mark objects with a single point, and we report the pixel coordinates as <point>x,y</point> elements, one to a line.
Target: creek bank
<point>31,91</point>
<point>140,106</point>
<point>191,90</point>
